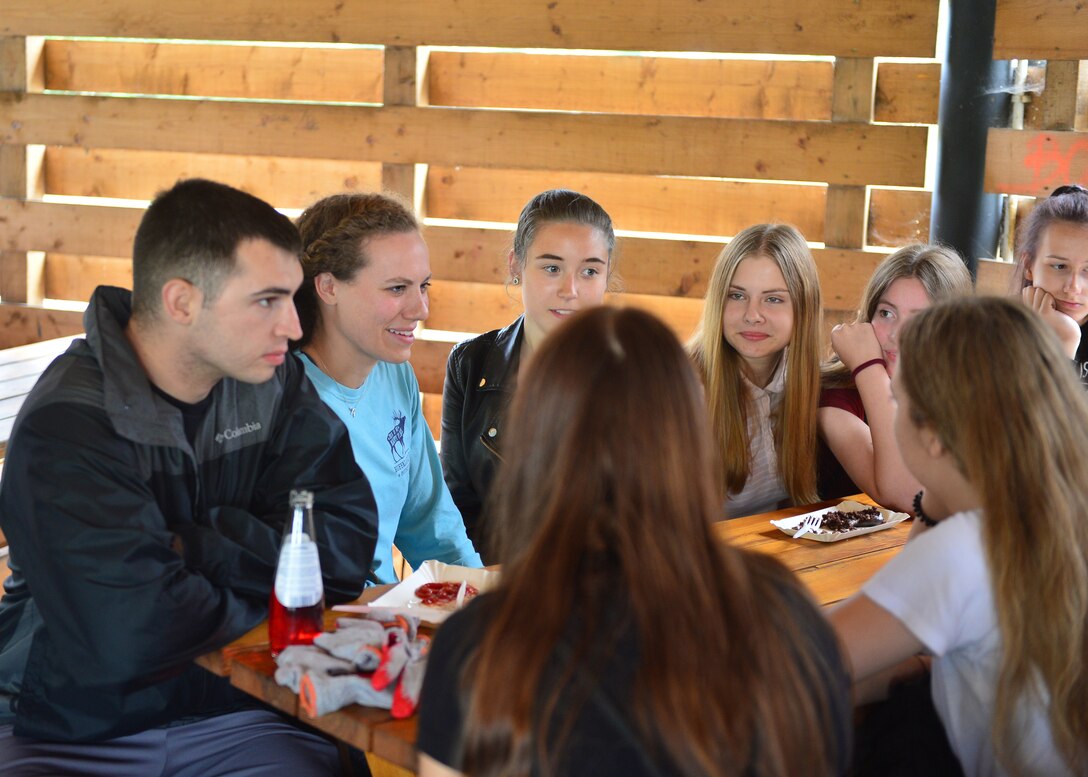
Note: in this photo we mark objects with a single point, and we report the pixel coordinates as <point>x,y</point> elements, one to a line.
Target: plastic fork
<point>809,524</point>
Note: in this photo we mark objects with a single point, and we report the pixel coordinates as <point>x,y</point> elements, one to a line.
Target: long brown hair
<point>728,399</point>
<point>1017,428</point>
<point>939,269</point>
<point>604,505</point>
<point>1067,204</point>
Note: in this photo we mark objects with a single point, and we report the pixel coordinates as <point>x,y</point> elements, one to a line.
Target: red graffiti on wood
<point>1051,166</point>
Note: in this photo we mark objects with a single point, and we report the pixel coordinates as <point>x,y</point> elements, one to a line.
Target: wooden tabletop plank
<point>354,725</point>
<point>253,671</point>
<point>220,661</point>
<point>801,554</point>
<point>395,742</point>
<point>832,583</point>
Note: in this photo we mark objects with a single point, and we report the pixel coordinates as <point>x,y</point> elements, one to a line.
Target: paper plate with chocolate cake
<point>844,520</point>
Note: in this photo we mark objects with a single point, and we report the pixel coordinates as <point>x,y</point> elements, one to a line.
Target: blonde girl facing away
<point>1052,268</point>
<point>623,638</point>
<point>757,349</point>
<point>993,422</point>
<point>857,445</point>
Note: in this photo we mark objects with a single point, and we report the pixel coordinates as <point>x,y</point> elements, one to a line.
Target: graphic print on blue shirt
<point>398,446</point>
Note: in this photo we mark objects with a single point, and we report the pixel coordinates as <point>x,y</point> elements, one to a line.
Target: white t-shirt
<point>764,489</point>
<point>939,587</point>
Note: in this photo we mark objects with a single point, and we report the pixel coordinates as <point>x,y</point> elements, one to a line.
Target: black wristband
<point>919,513</point>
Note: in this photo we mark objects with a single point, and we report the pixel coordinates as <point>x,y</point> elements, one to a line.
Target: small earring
<point>516,281</point>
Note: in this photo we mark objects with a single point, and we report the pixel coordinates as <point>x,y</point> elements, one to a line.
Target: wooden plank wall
<point>1052,148</point>
<point>353,95</point>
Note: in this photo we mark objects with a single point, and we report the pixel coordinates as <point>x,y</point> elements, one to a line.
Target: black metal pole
<point>974,97</point>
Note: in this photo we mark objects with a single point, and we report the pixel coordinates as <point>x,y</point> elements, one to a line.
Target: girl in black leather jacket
<point>561,262</point>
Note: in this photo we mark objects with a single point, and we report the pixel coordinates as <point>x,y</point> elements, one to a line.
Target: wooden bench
<point>20,368</point>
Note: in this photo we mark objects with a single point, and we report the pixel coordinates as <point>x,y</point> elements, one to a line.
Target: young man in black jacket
<point>144,496</point>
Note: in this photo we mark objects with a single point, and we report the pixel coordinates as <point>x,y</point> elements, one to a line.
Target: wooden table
<point>832,571</point>
<point>249,664</point>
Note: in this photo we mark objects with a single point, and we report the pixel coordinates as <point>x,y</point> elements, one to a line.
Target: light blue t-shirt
<point>395,450</point>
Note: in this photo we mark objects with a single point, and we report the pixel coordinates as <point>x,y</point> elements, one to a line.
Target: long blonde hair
<point>728,400</point>
<point>986,374</point>
<point>599,545</point>
<point>939,269</point>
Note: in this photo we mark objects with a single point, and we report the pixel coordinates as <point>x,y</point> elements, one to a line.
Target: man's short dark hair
<point>192,231</point>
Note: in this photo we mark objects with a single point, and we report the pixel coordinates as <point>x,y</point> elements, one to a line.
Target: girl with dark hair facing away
<point>1052,268</point>
<point>992,422</point>
<point>561,261</point>
<point>857,444</point>
<point>624,638</point>
<point>758,351</point>
<point>367,272</point>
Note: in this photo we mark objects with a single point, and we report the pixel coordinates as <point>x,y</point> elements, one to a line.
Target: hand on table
<point>1067,330</point>
<point>855,343</point>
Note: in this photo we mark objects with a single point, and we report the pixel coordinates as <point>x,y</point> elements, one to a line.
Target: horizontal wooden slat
<point>644,265</point>
<point>478,307</point>
<point>681,314</point>
<point>1041,29</point>
<point>694,206</point>
<point>908,92</point>
<point>647,265</point>
<point>678,268</point>
<point>731,88</point>
<point>993,277</point>
<point>844,153</point>
<point>70,277</point>
<point>471,307</point>
<point>139,175</point>
<point>23,324</point>
<point>468,255</point>
<point>1034,163</point>
<point>898,216</point>
<point>727,88</point>
<point>64,228</point>
<point>903,28</point>
<point>209,70</point>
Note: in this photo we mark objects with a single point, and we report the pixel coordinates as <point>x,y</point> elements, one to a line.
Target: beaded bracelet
<point>919,513</point>
<point>865,365</point>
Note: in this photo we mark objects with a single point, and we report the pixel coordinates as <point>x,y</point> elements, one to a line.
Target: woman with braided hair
<point>367,272</point>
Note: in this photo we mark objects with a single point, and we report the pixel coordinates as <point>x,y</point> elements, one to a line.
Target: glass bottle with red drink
<point>297,604</point>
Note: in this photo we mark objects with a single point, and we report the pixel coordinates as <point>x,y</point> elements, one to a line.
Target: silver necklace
<point>335,383</point>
